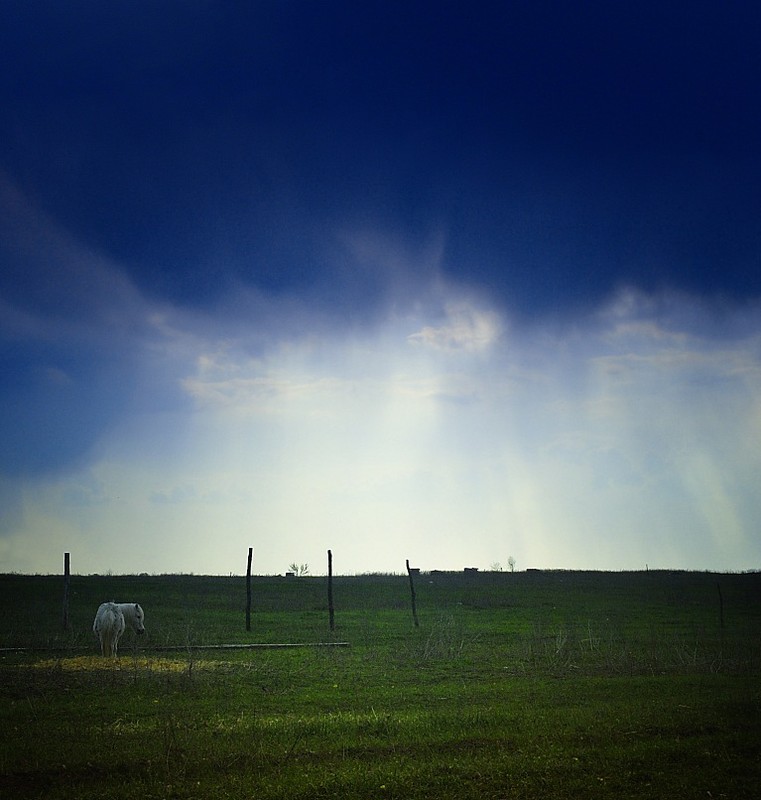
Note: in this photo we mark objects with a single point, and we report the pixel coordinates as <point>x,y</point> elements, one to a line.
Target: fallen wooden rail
<point>260,646</point>
<point>180,647</point>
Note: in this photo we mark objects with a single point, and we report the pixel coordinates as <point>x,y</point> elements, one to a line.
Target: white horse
<point>110,621</point>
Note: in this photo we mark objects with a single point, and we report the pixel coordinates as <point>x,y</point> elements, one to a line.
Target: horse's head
<point>137,620</point>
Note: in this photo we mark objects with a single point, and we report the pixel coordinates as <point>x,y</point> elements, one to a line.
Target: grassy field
<point>525,685</point>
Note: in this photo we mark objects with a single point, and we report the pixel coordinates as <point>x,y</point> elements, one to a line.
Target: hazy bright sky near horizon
<point>447,282</point>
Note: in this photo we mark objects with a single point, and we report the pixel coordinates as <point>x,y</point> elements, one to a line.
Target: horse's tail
<point>108,627</point>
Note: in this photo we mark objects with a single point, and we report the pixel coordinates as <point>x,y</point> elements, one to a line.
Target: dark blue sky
<point>442,269</point>
<point>563,149</point>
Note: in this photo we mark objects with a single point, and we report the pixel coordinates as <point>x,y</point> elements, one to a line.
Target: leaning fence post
<point>331,612</point>
<point>412,594</point>
<point>248,589</point>
<point>66,582</point>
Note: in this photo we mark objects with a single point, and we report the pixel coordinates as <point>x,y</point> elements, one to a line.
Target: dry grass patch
<point>100,664</point>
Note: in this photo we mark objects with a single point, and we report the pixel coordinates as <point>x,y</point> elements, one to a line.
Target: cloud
<point>56,285</point>
<point>625,436</point>
<point>608,430</point>
<point>466,328</point>
<point>72,341</point>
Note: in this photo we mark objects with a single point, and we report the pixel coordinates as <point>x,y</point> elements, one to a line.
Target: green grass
<point>532,685</point>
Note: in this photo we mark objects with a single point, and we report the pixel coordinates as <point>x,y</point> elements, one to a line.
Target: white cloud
<point>466,328</point>
<point>631,438</point>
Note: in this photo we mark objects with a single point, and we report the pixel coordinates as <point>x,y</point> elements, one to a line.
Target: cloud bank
<point>441,430</point>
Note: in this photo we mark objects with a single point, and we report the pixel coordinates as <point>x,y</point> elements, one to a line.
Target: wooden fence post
<point>721,616</point>
<point>412,593</point>
<point>248,589</point>
<point>331,612</point>
<point>66,583</point>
